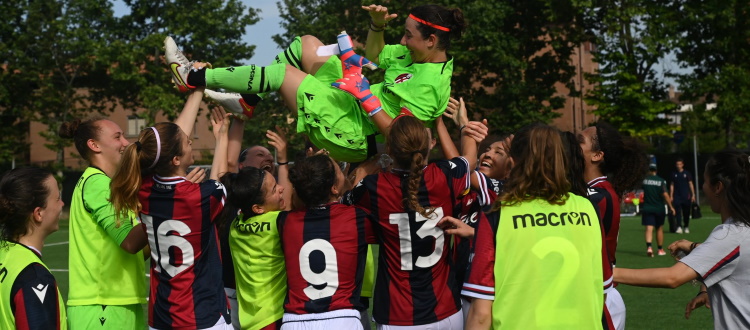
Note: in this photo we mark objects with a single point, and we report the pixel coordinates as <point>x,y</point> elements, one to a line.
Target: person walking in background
<point>682,193</point>
<point>652,213</point>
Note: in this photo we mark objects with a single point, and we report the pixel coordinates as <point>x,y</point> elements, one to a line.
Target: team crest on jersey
<point>403,77</point>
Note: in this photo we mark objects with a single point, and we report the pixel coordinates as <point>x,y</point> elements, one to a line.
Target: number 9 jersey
<point>414,284</point>
<point>325,248</point>
<point>187,290</point>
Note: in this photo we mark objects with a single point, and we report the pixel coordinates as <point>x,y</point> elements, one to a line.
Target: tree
<point>506,65</point>
<point>716,45</point>
<point>137,77</point>
<point>632,36</point>
<point>49,62</point>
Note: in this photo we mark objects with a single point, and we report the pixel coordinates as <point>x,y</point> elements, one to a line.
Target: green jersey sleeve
<point>96,200</point>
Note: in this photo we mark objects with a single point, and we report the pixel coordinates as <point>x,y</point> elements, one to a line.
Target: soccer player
<point>414,284</point>
<point>256,200</point>
<point>186,286</point>
<point>325,247</point>
<point>417,76</point>
<point>486,184</point>
<point>107,275</point>
<point>613,164</point>
<point>258,157</point>
<point>652,213</point>
<point>539,257</point>
<point>717,262</point>
<point>30,206</point>
<point>682,193</point>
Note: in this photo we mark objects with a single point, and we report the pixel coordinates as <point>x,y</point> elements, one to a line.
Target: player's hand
<point>672,211</point>
<point>197,175</point>
<point>379,14</point>
<point>456,110</point>
<point>453,226</point>
<point>476,130</point>
<point>278,141</point>
<point>220,122</point>
<point>699,300</point>
<point>677,246</point>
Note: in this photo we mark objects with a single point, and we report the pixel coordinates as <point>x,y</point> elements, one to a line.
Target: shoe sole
<point>650,254</point>
<point>170,47</point>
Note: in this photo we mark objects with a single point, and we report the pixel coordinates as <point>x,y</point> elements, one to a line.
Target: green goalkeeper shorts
<point>332,118</point>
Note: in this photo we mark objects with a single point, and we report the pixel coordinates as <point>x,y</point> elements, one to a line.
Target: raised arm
<point>236,132</point>
<point>186,118</point>
<point>220,122</point>
<point>471,135</point>
<point>456,110</point>
<point>379,17</point>
<point>278,141</point>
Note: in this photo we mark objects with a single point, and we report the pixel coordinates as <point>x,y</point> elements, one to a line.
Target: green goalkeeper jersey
<point>423,88</point>
<point>101,273</point>
<point>259,269</point>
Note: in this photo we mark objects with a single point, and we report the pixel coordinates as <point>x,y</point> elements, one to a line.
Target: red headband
<point>441,28</point>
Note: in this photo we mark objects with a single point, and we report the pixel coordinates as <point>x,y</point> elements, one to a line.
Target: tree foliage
<point>50,63</point>
<point>64,58</point>
<point>715,45</point>
<point>631,37</point>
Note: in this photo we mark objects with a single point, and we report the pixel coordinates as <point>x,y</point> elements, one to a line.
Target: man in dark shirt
<point>682,193</point>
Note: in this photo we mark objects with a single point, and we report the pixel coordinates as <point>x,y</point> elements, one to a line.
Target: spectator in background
<point>682,193</point>
<point>652,213</point>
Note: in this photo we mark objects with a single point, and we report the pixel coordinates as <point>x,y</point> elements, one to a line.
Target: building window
<point>135,125</point>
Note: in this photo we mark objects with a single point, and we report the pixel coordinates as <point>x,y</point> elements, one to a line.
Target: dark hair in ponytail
<point>732,168</point>
<point>575,161</point>
<point>244,189</point>
<point>312,178</point>
<point>452,19</point>
<point>625,162</point>
<point>408,144</point>
<point>21,191</point>
<point>81,131</point>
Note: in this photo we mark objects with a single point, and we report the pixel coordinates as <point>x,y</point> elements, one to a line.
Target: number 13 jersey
<point>415,283</point>
<point>187,290</point>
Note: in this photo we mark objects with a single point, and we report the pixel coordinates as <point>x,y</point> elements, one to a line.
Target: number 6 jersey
<point>187,290</point>
<point>414,284</point>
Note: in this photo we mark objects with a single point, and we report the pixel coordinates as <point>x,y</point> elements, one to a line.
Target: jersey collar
<point>597,180</point>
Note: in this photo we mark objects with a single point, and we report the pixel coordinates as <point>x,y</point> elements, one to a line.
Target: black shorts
<point>655,219</point>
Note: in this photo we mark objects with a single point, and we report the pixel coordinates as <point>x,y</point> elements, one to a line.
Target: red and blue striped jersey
<point>186,279</point>
<point>415,283</point>
<point>603,195</point>
<point>325,249</point>
<point>470,209</point>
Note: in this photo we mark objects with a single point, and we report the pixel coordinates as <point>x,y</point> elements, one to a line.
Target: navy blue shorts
<point>655,219</point>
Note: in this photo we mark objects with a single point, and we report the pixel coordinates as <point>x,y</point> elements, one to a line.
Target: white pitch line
<point>58,243</point>
<point>58,270</point>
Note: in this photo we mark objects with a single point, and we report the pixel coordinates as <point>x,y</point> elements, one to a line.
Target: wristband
<point>692,246</point>
<point>461,129</point>
<point>701,292</point>
<point>375,28</point>
<point>282,163</point>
